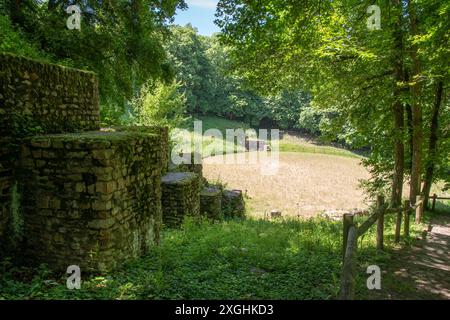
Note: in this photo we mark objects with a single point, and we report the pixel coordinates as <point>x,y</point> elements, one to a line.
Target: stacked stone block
<point>233,204</point>
<point>194,164</point>
<point>162,132</point>
<point>91,199</point>
<point>39,97</point>
<point>51,98</point>
<point>180,197</point>
<point>211,202</point>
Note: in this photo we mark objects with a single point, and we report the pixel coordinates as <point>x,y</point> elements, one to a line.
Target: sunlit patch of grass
<point>251,259</point>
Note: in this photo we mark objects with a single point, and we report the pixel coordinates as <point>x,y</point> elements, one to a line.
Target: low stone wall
<point>6,182</point>
<point>211,202</point>
<point>53,97</point>
<point>180,197</point>
<point>162,132</point>
<point>39,98</point>
<point>6,170</point>
<point>91,199</point>
<point>188,167</point>
<point>233,204</point>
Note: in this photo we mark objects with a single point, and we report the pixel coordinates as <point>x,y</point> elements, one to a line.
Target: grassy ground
<point>251,259</point>
<point>210,145</point>
<point>297,143</point>
<point>289,142</point>
<point>304,185</point>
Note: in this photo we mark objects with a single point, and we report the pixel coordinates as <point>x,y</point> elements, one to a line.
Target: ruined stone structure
<point>39,98</point>
<point>233,204</point>
<point>211,202</point>
<point>91,199</point>
<point>88,196</point>
<point>180,197</point>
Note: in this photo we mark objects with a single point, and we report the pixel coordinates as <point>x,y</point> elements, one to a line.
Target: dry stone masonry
<point>88,196</point>
<point>233,204</point>
<point>211,202</point>
<point>91,199</point>
<point>44,98</point>
<point>180,197</point>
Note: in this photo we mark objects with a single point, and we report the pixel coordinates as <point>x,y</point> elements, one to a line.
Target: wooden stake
<point>407,205</point>
<point>398,225</point>
<point>349,266</point>
<point>434,202</point>
<point>418,209</point>
<point>347,222</point>
<point>380,224</point>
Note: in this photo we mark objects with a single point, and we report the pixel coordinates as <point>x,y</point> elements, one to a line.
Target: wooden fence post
<point>349,266</point>
<point>434,202</point>
<point>407,205</point>
<point>380,223</point>
<point>398,224</point>
<point>348,221</point>
<point>419,208</point>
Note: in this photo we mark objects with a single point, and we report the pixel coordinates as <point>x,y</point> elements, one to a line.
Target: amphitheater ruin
<point>87,196</point>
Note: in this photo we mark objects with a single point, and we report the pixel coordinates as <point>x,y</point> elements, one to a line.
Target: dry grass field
<point>305,184</point>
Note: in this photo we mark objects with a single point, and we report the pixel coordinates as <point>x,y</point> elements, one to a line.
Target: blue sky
<point>200,14</point>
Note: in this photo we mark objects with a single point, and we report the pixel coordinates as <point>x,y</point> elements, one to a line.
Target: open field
<point>294,142</point>
<point>289,142</point>
<point>305,184</point>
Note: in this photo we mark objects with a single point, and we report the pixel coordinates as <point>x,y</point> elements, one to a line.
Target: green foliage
<point>326,48</point>
<point>14,41</point>
<point>202,66</point>
<point>121,41</point>
<point>159,104</point>
<point>235,259</point>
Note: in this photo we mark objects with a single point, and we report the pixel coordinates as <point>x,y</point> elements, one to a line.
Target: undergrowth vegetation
<point>250,259</point>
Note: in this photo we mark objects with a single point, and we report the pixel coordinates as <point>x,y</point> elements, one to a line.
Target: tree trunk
<point>416,109</point>
<point>432,144</point>
<point>399,152</point>
<point>410,134</point>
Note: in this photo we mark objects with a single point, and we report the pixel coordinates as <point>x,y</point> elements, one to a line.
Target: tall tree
<point>416,108</point>
<point>363,74</point>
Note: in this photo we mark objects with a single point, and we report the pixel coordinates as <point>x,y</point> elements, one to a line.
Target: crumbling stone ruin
<point>87,196</point>
<point>180,197</point>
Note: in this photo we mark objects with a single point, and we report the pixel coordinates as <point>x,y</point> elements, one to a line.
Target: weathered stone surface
<point>39,97</point>
<point>233,204</point>
<point>180,197</point>
<point>91,219</point>
<point>211,202</point>
<point>162,132</point>
<point>194,164</point>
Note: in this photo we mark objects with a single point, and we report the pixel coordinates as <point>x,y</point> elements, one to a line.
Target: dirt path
<point>421,271</point>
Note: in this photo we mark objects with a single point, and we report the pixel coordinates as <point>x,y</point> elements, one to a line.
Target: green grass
<point>251,259</point>
<point>442,206</point>
<point>285,145</point>
<point>293,147</point>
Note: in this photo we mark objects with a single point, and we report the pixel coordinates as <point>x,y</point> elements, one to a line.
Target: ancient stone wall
<point>35,98</point>
<point>91,199</point>
<point>49,97</point>
<point>193,165</point>
<point>211,202</point>
<point>162,132</point>
<point>180,197</point>
<point>233,204</point>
